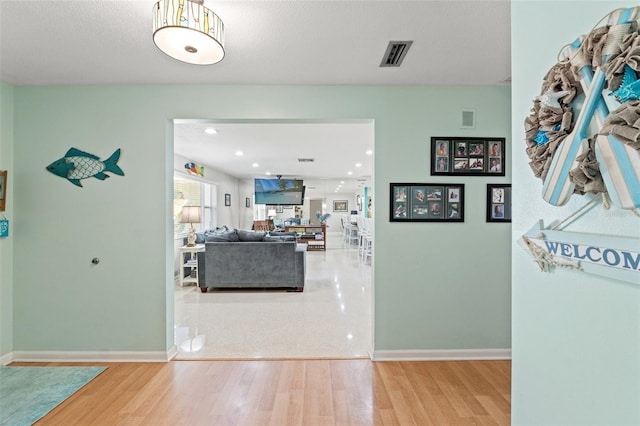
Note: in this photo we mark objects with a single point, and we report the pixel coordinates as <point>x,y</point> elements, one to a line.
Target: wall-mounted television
<point>288,192</point>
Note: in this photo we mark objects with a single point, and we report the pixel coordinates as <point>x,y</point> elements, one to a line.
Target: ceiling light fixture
<point>358,164</point>
<point>255,165</point>
<point>188,31</point>
<point>210,131</point>
<point>369,152</point>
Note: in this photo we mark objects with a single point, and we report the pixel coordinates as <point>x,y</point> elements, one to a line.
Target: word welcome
<point>599,255</point>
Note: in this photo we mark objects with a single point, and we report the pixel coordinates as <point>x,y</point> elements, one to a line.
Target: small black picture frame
<point>3,190</point>
<point>247,202</point>
<point>426,202</point>
<point>498,202</point>
<point>227,200</point>
<point>461,156</point>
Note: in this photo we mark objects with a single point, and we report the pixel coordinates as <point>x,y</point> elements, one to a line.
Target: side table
<point>189,262</point>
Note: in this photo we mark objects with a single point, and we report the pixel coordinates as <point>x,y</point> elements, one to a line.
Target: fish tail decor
<point>77,165</point>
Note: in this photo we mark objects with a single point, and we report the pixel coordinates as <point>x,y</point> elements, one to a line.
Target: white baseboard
<point>90,356</point>
<point>441,355</point>
<point>172,352</point>
<point>6,358</point>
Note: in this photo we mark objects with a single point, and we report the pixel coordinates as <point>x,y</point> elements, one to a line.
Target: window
<point>189,192</point>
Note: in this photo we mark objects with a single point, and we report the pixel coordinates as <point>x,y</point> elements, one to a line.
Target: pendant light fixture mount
<point>188,31</point>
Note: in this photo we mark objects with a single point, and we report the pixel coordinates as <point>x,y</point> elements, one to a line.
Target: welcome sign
<point>610,256</point>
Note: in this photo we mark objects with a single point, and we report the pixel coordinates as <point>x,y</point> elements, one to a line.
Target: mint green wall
<point>576,338</point>
<point>438,286</point>
<point>6,244</point>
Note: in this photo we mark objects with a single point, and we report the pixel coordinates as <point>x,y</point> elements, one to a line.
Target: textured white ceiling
<point>276,147</point>
<point>103,42</point>
<point>45,42</point>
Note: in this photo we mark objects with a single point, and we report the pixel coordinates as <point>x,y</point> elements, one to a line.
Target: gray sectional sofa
<point>254,260</point>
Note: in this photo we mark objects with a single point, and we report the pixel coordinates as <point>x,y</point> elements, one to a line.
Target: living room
<point>337,178</point>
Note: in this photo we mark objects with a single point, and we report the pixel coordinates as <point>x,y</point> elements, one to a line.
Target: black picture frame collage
<point>498,202</point>
<point>467,156</point>
<point>444,202</point>
<point>418,202</point>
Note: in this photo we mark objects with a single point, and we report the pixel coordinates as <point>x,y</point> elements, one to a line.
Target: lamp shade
<point>190,214</point>
<point>188,31</point>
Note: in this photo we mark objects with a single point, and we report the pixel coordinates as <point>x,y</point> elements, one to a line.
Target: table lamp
<point>191,214</point>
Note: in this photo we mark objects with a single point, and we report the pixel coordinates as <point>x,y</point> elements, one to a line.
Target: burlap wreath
<point>557,123</point>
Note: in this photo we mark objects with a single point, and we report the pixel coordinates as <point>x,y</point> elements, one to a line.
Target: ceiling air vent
<point>306,160</point>
<point>395,53</point>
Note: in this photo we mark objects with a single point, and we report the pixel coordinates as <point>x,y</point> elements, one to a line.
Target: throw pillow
<point>230,236</point>
<point>249,236</point>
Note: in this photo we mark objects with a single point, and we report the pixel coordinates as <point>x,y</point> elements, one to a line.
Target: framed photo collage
<point>467,156</point>
<point>444,202</point>
<point>419,202</point>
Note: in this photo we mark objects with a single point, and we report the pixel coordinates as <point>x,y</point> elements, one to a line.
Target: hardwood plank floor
<point>290,392</point>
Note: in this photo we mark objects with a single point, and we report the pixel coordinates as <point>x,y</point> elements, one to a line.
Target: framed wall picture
<point>457,156</point>
<point>498,202</point>
<point>227,200</point>
<point>3,190</point>
<point>340,206</point>
<point>278,209</point>
<point>247,202</point>
<point>425,202</point>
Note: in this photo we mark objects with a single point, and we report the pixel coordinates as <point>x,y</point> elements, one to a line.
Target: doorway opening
<point>332,317</point>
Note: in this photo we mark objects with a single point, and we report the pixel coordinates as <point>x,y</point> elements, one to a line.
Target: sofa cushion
<point>229,236</point>
<point>250,236</point>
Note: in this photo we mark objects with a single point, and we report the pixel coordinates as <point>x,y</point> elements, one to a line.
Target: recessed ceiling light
<point>268,173</point>
<point>239,153</point>
<point>349,173</point>
<point>358,164</point>
<point>369,152</point>
<point>210,131</point>
<point>255,165</point>
<point>341,181</point>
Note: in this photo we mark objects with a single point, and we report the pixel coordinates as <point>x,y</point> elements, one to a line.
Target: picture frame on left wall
<point>247,202</point>
<point>227,200</point>
<point>3,190</point>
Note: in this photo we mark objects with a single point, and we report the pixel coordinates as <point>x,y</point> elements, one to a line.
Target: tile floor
<point>330,319</point>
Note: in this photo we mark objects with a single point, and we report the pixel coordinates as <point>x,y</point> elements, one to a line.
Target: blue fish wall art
<point>77,165</point>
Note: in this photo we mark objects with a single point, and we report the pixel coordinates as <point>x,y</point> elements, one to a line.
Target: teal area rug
<point>28,393</point>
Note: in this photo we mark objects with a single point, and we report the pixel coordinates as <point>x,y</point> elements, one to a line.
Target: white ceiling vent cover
<point>395,53</point>
<point>306,160</point>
